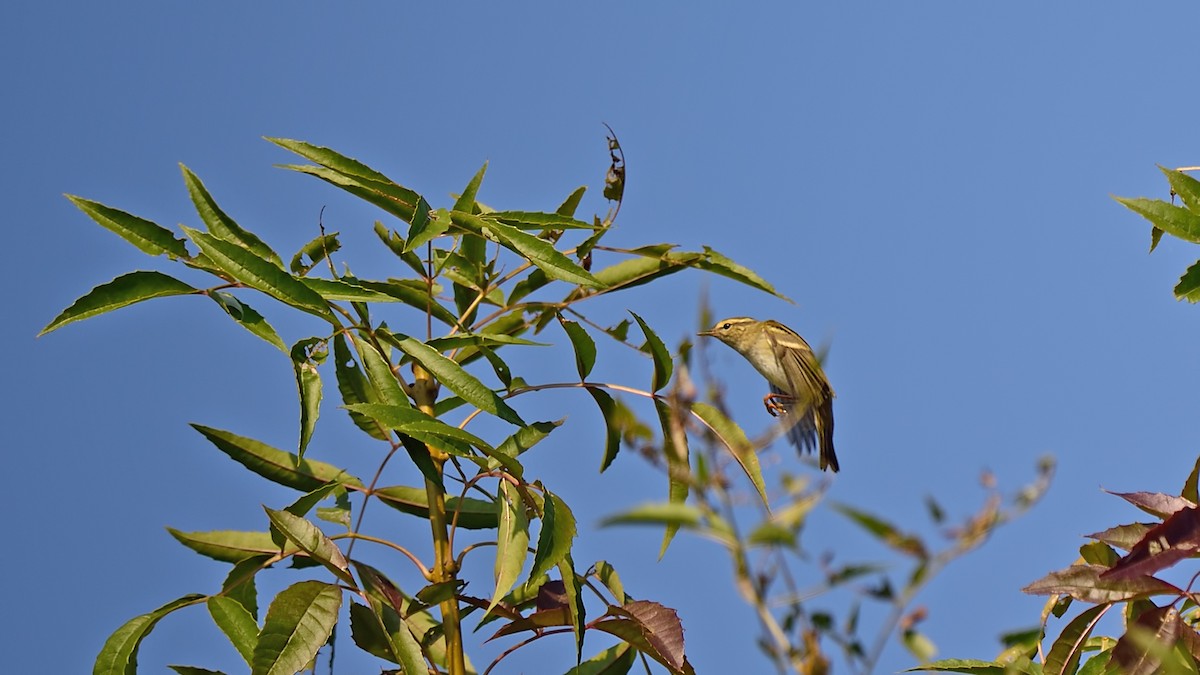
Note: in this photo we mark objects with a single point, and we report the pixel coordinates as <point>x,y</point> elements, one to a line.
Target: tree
<point>487,279</point>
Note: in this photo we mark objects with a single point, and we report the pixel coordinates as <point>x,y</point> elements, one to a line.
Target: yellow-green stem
<point>445,568</point>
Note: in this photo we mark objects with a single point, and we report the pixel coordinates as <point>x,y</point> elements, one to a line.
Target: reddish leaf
<point>1122,536</point>
<point>660,627</point>
<point>1135,653</point>
<point>1178,537</point>
<point>1083,582</point>
<point>1155,503</point>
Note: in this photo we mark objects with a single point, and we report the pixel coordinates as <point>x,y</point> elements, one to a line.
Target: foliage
<point>1178,221</point>
<point>1155,638</point>
<point>489,280</point>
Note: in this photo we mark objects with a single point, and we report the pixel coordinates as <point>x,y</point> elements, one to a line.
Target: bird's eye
<point>726,326</point>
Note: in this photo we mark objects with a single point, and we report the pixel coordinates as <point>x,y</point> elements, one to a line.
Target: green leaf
<point>123,291</point>
<point>537,251</point>
<point>512,540</point>
<point>239,584</point>
<point>151,238</point>
<point>316,250</point>
<point>556,536</point>
<point>304,355</point>
<point>1174,220</point>
<point>422,427</point>
<point>354,177</point>
<point>474,247</point>
<point>383,380</point>
<point>1185,186</point>
<point>678,463</point>
<point>667,514</point>
<point>735,439</point>
<point>884,531</point>
<point>397,245</point>
<point>276,465</point>
<point>975,667</point>
<point>663,366</point>
<point>298,624</point>
<point>1064,655</point>
<point>573,601</point>
<point>355,388</point>
<point>261,274</point>
<point>312,541</point>
<point>536,220</point>
<point>220,224</point>
<point>521,441</point>
<point>1190,491</point>
<point>193,670</point>
<point>236,623</point>
<point>718,264</point>
<point>1188,287</point>
<point>457,380</point>
<point>571,203</point>
<point>247,318</point>
<point>460,340</point>
<point>414,294</point>
<point>584,345</point>
<point>612,436</point>
<point>473,514</point>
<point>425,227</point>
<point>617,660</point>
<point>118,656</point>
<point>230,545</point>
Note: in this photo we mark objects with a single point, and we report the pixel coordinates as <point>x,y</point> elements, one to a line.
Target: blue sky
<point>929,181</point>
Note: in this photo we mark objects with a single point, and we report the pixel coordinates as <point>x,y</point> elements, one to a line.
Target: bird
<point>800,392</point>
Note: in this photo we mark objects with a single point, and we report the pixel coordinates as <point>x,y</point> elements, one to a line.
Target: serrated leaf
<point>536,220</point>
<point>556,536</point>
<point>220,224</point>
<point>230,545</point>
<point>276,465</point>
<point>123,291</point>
<point>473,514</point>
<point>353,176</point>
<point>1176,538</point>
<point>1174,220</point>
<point>151,238</point>
<point>1185,186</point>
<point>310,539</point>
<point>260,274</point>
<point>537,251</point>
<point>718,264</point>
<point>236,623</point>
<point>422,427</point>
<point>975,667</point>
<point>248,318</point>
<point>239,584</point>
<point>739,445</point>
<point>1083,582</point>
<point>118,656</point>
<point>1122,536</point>
<point>457,380</point>
<point>653,629</point>
<point>512,540</point>
<point>1188,287</point>
<point>355,388</point>
<point>298,624</point>
<point>383,379</point>
<point>663,365</point>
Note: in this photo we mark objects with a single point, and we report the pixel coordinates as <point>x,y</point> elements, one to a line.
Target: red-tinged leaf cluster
<point>1157,637</point>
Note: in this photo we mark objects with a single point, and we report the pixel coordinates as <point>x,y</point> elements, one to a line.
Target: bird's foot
<point>777,403</point>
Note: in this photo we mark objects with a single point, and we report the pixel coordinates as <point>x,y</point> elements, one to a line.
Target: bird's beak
<point>705,333</point>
